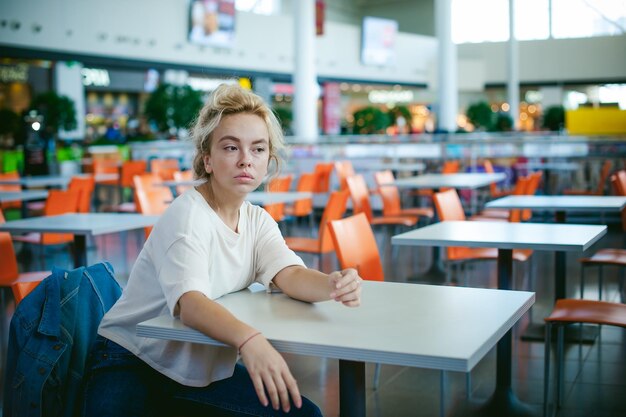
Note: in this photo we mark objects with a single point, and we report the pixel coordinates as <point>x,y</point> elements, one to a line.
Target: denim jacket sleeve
<point>49,331</point>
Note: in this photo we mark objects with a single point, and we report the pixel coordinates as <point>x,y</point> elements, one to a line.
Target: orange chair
<point>449,208</point>
<point>183,176</point>
<point>280,184</point>
<point>494,191</point>
<point>391,198</point>
<point>571,311</point>
<point>513,216</point>
<point>128,171</point>
<point>323,244</point>
<point>22,289</point>
<point>600,188</point>
<point>58,202</point>
<point>85,185</point>
<point>150,197</point>
<point>448,167</point>
<point>323,172</point>
<point>304,207</point>
<point>104,167</point>
<point>356,248</point>
<point>164,168</point>
<point>10,187</point>
<point>344,170</point>
<point>9,274</point>
<point>608,256</point>
<point>361,204</point>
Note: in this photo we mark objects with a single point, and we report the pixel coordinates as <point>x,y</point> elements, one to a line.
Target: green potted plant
<point>58,112</point>
<point>480,115</point>
<point>173,107</point>
<point>285,116</point>
<point>554,118</point>
<point>503,123</point>
<point>370,120</point>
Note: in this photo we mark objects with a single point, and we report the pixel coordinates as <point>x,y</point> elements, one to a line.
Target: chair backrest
<point>22,289</point>
<point>151,198</point>
<point>621,181</point>
<point>450,167</point>
<point>344,170</point>
<point>306,183</point>
<point>388,193</point>
<point>620,189</point>
<point>164,168</point>
<point>8,271</point>
<point>334,210</point>
<point>531,188</point>
<point>521,187</point>
<point>449,208</point>
<point>10,187</point>
<point>360,196</point>
<point>493,187</point>
<point>323,171</point>
<point>60,202</point>
<point>130,169</point>
<point>183,176</point>
<point>280,184</point>
<point>356,247</point>
<point>84,184</point>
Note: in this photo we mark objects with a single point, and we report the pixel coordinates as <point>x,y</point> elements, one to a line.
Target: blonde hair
<point>226,100</point>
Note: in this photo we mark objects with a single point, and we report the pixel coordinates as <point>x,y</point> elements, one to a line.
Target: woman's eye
<point>259,150</point>
<point>230,148</point>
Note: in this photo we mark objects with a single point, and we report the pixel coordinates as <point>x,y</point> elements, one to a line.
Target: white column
<point>305,76</point>
<point>68,81</point>
<point>448,68</point>
<point>513,69</point>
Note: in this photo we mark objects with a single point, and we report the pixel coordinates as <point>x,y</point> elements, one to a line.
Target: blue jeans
<point>118,383</point>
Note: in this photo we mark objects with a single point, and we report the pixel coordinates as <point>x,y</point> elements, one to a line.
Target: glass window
<point>266,7</point>
<point>585,18</point>
<point>480,21</point>
<point>532,19</point>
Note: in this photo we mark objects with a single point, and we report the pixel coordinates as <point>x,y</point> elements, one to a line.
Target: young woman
<point>209,243</point>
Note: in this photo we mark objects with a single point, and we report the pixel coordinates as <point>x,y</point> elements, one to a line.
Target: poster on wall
<point>212,22</point>
<point>378,43</point>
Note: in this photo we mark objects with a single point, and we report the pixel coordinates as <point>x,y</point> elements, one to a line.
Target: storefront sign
<point>390,96</point>
<point>95,77</point>
<point>14,73</point>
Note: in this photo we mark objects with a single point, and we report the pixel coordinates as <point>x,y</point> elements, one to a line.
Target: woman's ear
<point>207,164</point>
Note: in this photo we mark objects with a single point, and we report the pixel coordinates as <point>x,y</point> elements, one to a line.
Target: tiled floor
<point>595,373</point>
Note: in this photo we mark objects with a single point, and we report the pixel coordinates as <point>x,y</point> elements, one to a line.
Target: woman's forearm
<point>205,315</point>
<point>304,284</point>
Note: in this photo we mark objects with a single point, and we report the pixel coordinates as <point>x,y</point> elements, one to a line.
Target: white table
<point>262,198</point>
<point>26,195</point>
<point>469,181</point>
<point>80,225</point>
<point>393,166</point>
<point>427,326</point>
<point>560,205</point>
<point>505,237</point>
<point>52,181</point>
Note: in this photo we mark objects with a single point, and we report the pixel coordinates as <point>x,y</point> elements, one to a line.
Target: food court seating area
<point>595,377</point>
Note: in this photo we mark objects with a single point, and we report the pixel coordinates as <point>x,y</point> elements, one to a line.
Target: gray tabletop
<point>25,195</point>
<point>459,181</point>
<point>262,198</point>
<point>539,236</point>
<point>81,224</point>
<point>437,327</point>
<point>60,181</point>
<point>560,203</point>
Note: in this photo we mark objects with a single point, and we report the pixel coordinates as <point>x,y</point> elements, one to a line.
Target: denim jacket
<point>50,336</point>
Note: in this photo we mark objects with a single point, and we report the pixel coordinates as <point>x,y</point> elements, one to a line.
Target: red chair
<point>323,172</point>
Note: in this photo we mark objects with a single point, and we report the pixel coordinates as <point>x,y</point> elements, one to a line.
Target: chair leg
<point>468,385</point>
<point>559,366</point>
<point>546,369</point>
<point>443,381</point>
<point>582,281</point>
<point>600,282</point>
<point>376,376</point>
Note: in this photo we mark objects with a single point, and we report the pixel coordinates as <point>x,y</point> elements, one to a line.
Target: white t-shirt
<point>191,249</point>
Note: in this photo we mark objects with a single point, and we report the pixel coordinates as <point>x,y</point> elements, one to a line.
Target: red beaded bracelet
<point>246,341</point>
